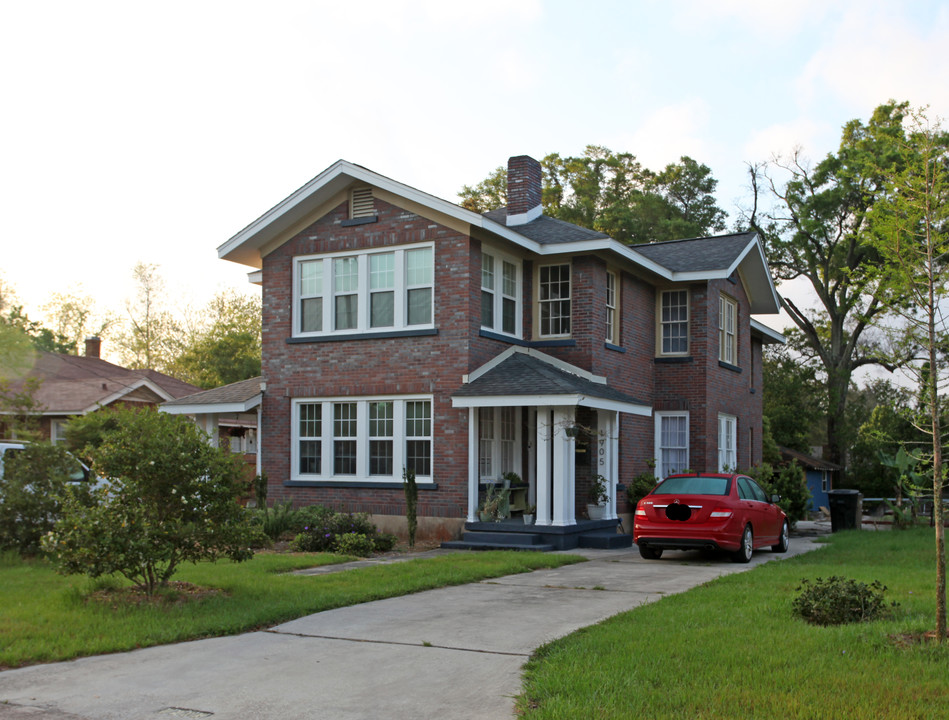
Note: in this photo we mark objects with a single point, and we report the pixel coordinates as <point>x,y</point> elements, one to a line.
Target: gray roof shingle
<point>523,374</point>
<point>697,254</point>
<point>547,230</point>
<point>237,392</point>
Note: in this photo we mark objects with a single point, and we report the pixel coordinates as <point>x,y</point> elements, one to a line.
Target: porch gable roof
<point>523,376</point>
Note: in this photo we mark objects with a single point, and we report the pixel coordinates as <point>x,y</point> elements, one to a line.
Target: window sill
<point>673,360</point>
<point>362,336</point>
<point>370,484</point>
<point>562,342</point>
<point>614,348</point>
<point>729,366</point>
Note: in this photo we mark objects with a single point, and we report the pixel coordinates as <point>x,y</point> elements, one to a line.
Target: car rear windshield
<point>693,485</point>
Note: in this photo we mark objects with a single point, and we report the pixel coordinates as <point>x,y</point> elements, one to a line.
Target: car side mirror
<point>775,499</point>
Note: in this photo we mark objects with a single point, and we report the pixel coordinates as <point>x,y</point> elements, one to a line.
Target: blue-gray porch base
<point>513,534</point>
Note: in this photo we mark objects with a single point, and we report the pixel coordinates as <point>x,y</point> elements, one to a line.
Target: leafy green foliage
<point>642,484</point>
<point>790,483</point>
<point>612,193</point>
<point>355,544</point>
<point>34,481</point>
<point>172,499</point>
<point>326,528</point>
<point>793,398</point>
<point>839,600</point>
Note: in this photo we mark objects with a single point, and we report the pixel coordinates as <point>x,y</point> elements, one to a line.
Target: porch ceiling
<point>525,378</point>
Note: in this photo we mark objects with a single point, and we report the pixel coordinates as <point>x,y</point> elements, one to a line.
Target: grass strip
<point>733,649</point>
<point>45,617</point>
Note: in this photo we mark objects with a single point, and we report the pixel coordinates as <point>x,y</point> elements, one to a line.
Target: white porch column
<point>542,441</point>
<point>564,468</point>
<point>473,471</point>
<point>208,423</point>
<point>607,455</point>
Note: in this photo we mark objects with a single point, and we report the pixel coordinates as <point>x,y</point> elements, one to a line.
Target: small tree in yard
<point>172,498</point>
<point>411,502</point>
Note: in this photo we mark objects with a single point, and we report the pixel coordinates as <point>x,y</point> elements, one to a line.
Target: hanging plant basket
<point>572,431</point>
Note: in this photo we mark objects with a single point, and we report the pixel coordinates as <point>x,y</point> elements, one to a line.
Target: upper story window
<point>612,325</point>
<point>671,443</point>
<point>365,291</point>
<point>727,335</point>
<point>553,300</point>
<point>500,293</point>
<point>674,322</point>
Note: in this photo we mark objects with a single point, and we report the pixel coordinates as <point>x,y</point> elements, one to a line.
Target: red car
<point>709,511</point>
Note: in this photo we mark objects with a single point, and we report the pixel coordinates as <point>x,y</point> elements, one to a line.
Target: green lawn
<point>733,649</point>
<point>46,617</point>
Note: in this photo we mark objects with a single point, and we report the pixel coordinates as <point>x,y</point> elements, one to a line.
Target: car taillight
<point>721,513</point>
<point>640,511</point>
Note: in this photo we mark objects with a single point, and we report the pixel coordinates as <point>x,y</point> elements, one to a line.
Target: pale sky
<point>155,131</point>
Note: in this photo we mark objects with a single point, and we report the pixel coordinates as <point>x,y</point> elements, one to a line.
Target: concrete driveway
<point>449,653</point>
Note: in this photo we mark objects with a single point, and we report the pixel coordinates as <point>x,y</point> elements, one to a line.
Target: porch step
<point>479,545</point>
<point>498,540</point>
<point>605,540</point>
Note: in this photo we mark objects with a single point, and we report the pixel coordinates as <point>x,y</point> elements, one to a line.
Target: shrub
<point>355,544</point>
<point>641,485</point>
<point>324,534</point>
<point>172,499</point>
<point>790,483</point>
<point>838,600</point>
<point>34,481</point>
<point>279,520</point>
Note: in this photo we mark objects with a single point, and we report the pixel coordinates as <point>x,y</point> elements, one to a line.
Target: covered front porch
<point>527,413</point>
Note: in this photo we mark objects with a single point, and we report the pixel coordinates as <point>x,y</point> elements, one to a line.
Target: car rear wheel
<point>784,540</point>
<point>649,553</point>
<point>743,554</point>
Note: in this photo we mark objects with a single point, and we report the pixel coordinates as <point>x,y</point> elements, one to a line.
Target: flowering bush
<point>172,498</point>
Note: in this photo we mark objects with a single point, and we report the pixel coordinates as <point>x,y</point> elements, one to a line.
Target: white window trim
<point>538,302</point>
<point>400,318</point>
<point>660,325</point>
<point>657,437</point>
<point>612,308</point>
<point>498,291</point>
<point>724,421</point>
<point>727,337</point>
<point>362,439</point>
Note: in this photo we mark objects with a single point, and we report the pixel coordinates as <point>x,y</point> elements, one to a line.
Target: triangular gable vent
<point>361,204</point>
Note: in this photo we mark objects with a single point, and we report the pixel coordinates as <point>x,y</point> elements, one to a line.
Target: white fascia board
<point>212,408</point>
<point>565,400</point>
<point>768,332</point>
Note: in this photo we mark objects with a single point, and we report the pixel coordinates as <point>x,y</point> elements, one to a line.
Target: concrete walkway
<point>441,654</point>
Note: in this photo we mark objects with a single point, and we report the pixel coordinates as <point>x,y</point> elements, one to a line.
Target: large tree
<point>819,230</point>
<point>225,346</point>
<point>792,398</point>
<point>612,192</point>
<point>151,334</point>
<point>911,236</point>
<point>73,317</point>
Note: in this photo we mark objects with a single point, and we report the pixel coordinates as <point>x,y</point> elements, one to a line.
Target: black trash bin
<point>844,505</point>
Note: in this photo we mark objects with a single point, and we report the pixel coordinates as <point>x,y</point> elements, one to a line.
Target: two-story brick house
<point>401,330</point>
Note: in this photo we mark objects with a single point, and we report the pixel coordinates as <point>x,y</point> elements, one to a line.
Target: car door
<point>755,506</point>
<point>769,523</point>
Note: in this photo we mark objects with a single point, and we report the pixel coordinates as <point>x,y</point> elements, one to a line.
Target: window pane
<point>509,317</point>
<point>380,457</point>
<point>311,278</point>
<point>311,315</point>
<point>382,271</point>
<point>418,265</point>
<point>346,311</point>
<point>344,457</point>
<point>487,272</point>
<point>382,309</point>
<point>380,419</point>
<point>418,456</point>
<point>555,300</point>
<point>310,457</point>
<point>418,418</point>
<point>346,272</point>
<point>509,272</point>
<point>311,420</point>
<point>420,306</point>
<point>487,309</point>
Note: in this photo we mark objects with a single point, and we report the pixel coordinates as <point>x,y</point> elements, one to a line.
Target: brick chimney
<point>93,345</point>
<point>523,190</point>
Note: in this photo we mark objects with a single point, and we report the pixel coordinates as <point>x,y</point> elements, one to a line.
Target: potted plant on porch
<point>494,507</point>
<point>596,510</point>
<point>529,514</point>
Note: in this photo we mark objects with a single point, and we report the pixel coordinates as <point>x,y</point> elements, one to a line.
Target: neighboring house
<point>230,413</point>
<point>821,475</point>
<point>403,331</point>
<point>73,385</point>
